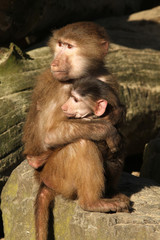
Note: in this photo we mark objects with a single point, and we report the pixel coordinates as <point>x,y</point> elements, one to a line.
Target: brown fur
<point>97,99</point>
<point>74,164</point>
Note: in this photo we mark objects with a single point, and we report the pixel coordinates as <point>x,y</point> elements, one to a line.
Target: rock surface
<point>151,160</point>
<point>140,30</point>
<point>17,78</point>
<point>27,19</point>
<point>71,222</point>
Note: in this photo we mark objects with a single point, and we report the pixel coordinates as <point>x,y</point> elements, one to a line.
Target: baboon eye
<point>75,99</point>
<point>69,46</point>
<point>59,43</point>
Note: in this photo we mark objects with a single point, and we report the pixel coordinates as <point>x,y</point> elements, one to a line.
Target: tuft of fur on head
<point>95,90</point>
<point>82,31</point>
<point>89,36</point>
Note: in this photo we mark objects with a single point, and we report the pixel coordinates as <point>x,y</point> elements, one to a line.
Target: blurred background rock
<point>134,58</point>
<point>27,21</point>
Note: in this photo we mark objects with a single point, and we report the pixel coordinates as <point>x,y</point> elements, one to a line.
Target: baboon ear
<point>105,46</point>
<point>100,107</point>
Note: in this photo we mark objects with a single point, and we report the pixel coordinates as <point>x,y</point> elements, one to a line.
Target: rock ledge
<point>71,222</point>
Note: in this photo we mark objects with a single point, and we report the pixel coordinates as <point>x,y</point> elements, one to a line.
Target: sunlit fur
<point>75,163</point>
<point>92,38</point>
<point>88,100</point>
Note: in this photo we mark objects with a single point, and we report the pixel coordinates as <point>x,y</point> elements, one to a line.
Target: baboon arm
<point>72,130</point>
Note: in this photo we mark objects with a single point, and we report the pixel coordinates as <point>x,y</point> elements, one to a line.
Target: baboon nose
<point>54,63</point>
<point>64,107</point>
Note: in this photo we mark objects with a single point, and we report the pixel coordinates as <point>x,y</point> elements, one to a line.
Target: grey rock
<point>140,30</point>
<point>71,222</point>
<point>21,20</point>
<point>17,78</point>
<point>151,160</point>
